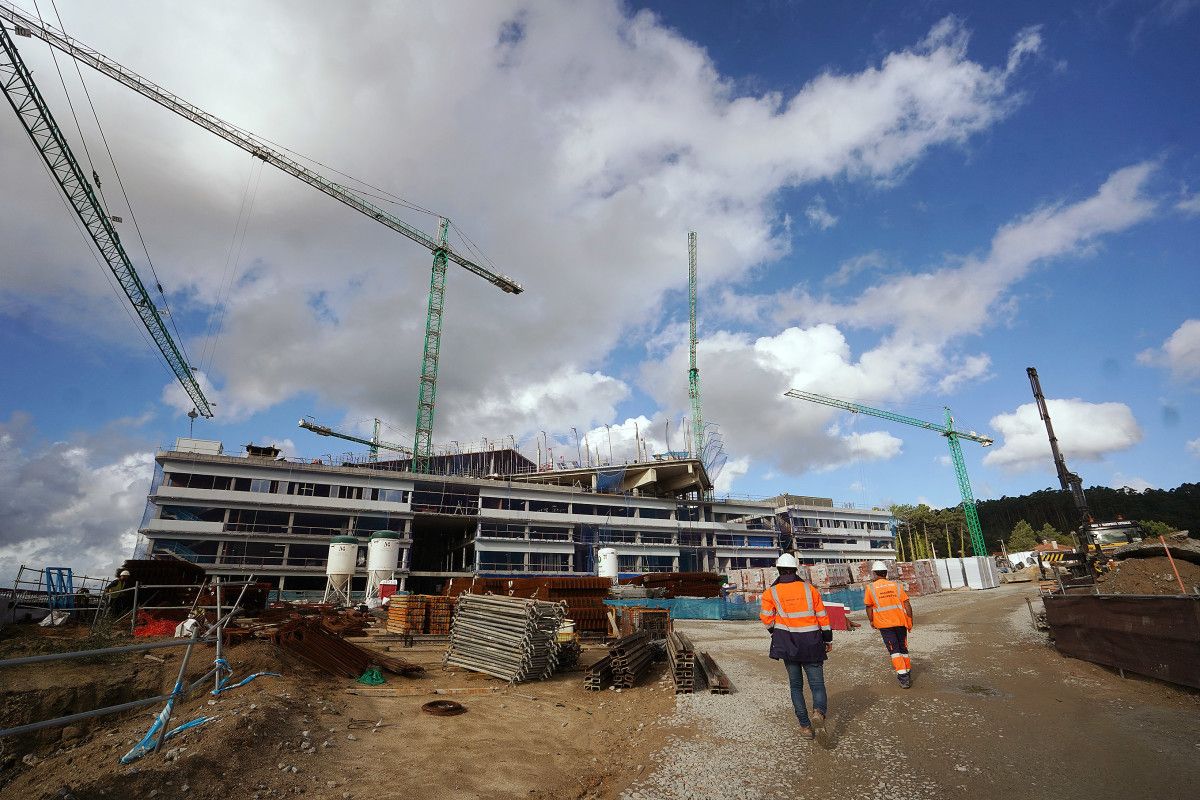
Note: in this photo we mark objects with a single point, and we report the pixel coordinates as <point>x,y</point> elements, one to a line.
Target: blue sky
<point>905,205</point>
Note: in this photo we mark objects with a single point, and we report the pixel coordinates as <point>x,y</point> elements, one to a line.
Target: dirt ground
<point>1149,576</point>
<point>994,712</point>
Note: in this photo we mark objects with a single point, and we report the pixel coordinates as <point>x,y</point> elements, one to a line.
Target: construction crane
<point>1070,482</point>
<point>26,100</point>
<point>947,430</point>
<point>694,371</point>
<point>259,148</point>
<point>375,443</point>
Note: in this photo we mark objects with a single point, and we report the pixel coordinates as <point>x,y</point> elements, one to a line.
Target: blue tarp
<point>729,608</point>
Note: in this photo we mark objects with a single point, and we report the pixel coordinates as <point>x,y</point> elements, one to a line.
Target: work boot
<point>905,680</point>
<point>822,733</point>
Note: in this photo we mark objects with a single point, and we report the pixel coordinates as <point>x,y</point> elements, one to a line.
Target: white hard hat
<point>124,574</point>
<point>879,566</point>
<point>787,560</point>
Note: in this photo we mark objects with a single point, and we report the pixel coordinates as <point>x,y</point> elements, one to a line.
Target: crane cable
<point>233,255</point>
<point>116,171</point>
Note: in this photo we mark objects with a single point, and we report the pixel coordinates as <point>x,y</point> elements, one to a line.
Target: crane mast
<point>26,100</point>
<point>970,512</point>
<point>257,147</point>
<point>1070,482</point>
<point>694,371</point>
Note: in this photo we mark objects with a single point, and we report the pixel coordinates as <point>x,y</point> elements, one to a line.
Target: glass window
<point>260,485</point>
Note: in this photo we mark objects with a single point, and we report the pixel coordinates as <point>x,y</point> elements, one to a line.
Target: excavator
<point>1094,541</point>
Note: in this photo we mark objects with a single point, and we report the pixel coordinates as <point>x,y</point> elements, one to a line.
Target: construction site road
<point>994,712</point>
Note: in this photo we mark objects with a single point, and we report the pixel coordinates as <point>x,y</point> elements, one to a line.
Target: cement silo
<point>383,556</point>
<point>339,569</point>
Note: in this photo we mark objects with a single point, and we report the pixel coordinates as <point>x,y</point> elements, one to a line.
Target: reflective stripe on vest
<point>875,598</point>
<point>808,615</point>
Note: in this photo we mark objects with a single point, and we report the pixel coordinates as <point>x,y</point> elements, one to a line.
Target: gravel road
<point>994,712</point>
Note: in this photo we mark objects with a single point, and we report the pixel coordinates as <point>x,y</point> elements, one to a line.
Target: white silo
<point>339,569</point>
<point>383,554</point>
<point>606,563</point>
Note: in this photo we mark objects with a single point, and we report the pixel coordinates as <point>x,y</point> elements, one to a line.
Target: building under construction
<point>490,513</point>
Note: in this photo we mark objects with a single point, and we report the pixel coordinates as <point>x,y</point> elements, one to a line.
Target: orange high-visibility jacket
<point>796,607</point>
<point>796,616</point>
<point>887,598</point>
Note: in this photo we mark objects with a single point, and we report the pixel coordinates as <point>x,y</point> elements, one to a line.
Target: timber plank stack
<point>406,614</point>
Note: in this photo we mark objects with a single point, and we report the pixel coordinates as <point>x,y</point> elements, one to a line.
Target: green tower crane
<point>23,95</point>
<point>694,371</point>
<point>947,430</point>
<point>374,443</point>
<point>260,148</point>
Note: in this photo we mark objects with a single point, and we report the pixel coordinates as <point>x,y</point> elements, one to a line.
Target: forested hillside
<point>1179,508</point>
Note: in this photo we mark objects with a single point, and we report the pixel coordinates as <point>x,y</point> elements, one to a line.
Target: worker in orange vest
<point>889,611</point>
<point>801,637</point>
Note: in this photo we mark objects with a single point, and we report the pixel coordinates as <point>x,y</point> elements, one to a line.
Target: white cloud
<point>969,368</point>
<point>524,140</point>
<point>819,216</point>
<point>75,503</point>
<point>1193,447</point>
<point>1086,432</point>
<point>1180,353</point>
<point>922,316</point>
<point>1189,205</point>
<point>1119,481</point>
<point>853,266</point>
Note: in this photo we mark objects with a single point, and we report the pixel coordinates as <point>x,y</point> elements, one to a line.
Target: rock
<point>352,737</point>
<point>29,759</point>
<point>71,732</point>
<point>295,770</point>
<point>303,734</point>
<point>173,753</point>
<point>282,766</point>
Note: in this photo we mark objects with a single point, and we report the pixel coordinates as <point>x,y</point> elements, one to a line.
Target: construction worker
<point>801,637</point>
<point>889,611</point>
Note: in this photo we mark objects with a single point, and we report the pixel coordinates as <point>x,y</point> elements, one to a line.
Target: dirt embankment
<point>1149,576</point>
<point>303,735</point>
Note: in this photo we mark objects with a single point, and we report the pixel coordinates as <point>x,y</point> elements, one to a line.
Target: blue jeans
<point>816,684</point>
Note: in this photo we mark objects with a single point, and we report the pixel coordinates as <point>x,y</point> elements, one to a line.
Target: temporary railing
<point>160,730</point>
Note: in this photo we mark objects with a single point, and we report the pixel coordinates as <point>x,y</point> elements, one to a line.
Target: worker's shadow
<point>844,707</point>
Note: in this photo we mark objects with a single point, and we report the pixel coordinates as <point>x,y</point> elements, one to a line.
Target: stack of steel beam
<point>631,655</point>
<point>681,655</point>
<point>507,637</point>
<point>709,675</point>
<point>598,675</point>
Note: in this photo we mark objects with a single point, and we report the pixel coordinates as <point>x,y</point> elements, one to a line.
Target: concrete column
<point>287,549</point>
<point>291,521</point>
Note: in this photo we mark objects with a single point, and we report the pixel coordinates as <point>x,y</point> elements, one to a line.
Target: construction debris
<point>506,637</point>
<point>312,641</point>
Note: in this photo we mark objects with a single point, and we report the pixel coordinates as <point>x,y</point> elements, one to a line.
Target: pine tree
<point>1022,538</point>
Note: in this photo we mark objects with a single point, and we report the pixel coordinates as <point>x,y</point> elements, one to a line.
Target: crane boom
<point>1070,482</point>
<point>694,371</point>
<point>26,100</point>
<point>246,141</point>
<point>375,443</point>
<point>259,148</point>
<point>970,512</point>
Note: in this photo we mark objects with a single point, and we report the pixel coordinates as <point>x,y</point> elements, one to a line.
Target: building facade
<point>260,515</point>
